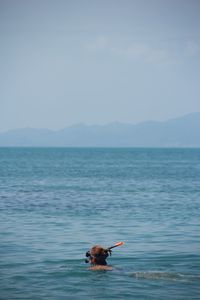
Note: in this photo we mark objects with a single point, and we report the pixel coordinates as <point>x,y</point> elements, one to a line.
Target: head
<point>97,255</point>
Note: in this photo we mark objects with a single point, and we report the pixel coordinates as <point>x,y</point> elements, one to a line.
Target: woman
<point>97,257</point>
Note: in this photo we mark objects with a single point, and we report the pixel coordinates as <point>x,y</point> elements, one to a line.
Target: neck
<point>100,263</point>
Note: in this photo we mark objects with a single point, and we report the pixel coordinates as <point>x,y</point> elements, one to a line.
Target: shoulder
<point>101,268</point>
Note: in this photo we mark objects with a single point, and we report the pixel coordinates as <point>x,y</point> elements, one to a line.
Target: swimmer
<point>97,256</point>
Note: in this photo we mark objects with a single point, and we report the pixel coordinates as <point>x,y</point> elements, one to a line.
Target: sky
<point>96,62</point>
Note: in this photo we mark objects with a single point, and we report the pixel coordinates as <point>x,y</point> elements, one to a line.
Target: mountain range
<point>179,132</point>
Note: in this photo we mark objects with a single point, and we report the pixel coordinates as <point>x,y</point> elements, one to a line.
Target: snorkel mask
<point>98,256</point>
<point>103,255</point>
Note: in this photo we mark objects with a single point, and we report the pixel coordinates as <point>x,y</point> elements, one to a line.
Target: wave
<point>159,275</point>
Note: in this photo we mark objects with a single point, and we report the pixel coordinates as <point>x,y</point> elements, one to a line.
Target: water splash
<point>159,275</point>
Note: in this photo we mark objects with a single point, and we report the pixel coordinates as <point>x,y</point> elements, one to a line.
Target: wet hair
<point>97,255</point>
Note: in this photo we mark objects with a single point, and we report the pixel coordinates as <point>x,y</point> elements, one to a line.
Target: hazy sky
<point>66,62</point>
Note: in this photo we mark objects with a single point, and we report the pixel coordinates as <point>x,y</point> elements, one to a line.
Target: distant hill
<point>180,132</point>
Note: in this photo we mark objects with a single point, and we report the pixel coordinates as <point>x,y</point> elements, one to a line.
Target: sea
<point>56,203</point>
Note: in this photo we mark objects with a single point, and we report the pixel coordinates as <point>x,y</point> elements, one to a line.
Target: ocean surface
<point>56,203</point>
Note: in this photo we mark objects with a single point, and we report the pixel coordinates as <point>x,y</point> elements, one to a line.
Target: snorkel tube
<point>116,245</point>
<point>88,254</point>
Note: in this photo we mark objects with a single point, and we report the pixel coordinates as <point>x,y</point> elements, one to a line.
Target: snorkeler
<point>97,256</point>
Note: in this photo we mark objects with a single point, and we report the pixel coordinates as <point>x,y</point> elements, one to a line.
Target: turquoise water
<point>55,203</point>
